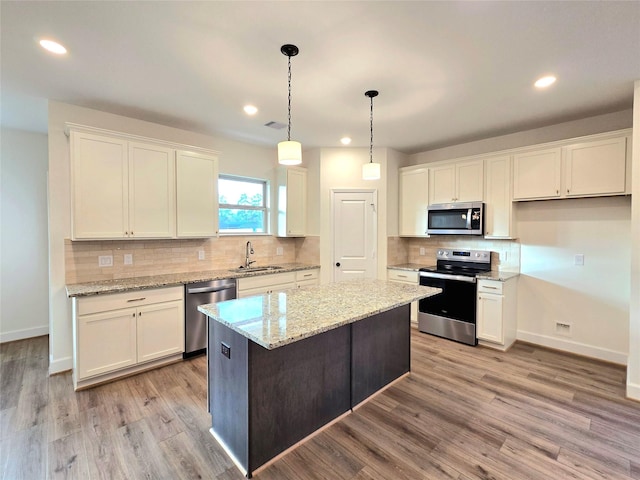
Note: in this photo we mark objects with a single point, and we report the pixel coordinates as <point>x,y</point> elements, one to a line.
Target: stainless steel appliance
<point>195,323</point>
<point>452,313</point>
<point>455,219</point>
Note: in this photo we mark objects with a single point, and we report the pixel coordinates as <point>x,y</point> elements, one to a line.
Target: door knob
<point>337,264</point>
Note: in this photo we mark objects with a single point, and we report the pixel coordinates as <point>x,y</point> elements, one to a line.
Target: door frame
<point>333,193</point>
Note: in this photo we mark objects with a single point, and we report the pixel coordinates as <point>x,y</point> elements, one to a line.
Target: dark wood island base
<point>263,401</point>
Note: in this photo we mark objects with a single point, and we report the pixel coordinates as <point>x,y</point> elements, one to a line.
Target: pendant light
<point>289,152</point>
<point>371,170</point>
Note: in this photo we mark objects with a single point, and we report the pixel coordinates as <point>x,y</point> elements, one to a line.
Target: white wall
<point>236,158</point>
<point>24,310</point>
<point>341,168</point>
<point>633,368</point>
<point>593,298</point>
<point>585,126</point>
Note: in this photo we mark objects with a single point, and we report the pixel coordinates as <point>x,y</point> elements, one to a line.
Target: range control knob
<point>440,252</point>
<point>477,255</point>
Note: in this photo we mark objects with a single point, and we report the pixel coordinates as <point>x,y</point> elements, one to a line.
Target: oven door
<point>452,313</point>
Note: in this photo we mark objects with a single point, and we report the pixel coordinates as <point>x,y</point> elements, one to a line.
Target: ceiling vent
<point>275,125</point>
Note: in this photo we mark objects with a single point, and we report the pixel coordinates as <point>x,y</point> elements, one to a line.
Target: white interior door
<point>354,235</point>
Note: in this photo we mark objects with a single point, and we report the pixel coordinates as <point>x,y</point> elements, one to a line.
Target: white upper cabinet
<point>152,200</point>
<point>537,174</point>
<point>130,187</point>
<point>596,168</point>
<point>121,189</point>
<point>99,186</point>
<point>499,220</point>
<point>414,200</point>
<point>197,194</point>
<point>456,182</point>
<point>291,192</point>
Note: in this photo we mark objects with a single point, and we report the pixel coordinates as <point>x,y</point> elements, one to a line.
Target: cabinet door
<point>197,194</point>
<point>296,202</point>
<point>490,318</point>
<point>160,329</point>
<point>151,191</point>
<point>537,174</point>
<point>498,213</point>
<point>469,181</point>
<point>414,200</point>
<point>99,182</point>
<point>106,342</point>
<point>596,168</point>
<point>442,184</point>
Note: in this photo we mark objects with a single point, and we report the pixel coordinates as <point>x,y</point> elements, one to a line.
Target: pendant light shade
<point>371,170</point>
<point>289,152</point>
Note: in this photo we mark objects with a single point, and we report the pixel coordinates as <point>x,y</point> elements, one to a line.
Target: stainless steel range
<point>452,313</point>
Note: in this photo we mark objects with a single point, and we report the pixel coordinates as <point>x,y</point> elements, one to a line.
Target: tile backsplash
<point>152,257</point>
<point>505,253</point>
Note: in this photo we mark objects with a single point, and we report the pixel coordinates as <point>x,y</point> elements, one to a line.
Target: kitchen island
<point>285,364</point>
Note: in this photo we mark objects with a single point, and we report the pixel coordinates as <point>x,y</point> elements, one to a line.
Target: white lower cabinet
<point>276,281</point>
<point>119,334</point>
<point>409,277</point>
<point>496,313</point>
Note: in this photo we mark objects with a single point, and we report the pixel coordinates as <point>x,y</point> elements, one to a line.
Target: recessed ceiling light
<point>345,140</point>
<point>53,47</point>
<point>545,81</point>
<point>250,110</point>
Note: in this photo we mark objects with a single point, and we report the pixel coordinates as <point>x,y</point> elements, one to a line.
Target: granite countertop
<point>155,281</point>
<point>280,318</point>
<point>491,275</point>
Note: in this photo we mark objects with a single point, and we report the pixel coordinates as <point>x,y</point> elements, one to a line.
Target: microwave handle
<point>469,213</point>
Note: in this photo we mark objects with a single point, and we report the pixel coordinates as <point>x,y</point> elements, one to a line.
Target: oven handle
<point>446,276</point>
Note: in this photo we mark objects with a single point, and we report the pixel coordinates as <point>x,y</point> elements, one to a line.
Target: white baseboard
<point>633,391</point>
<point>574,347</point>
<point>22,334</point>
<point>60,365</point>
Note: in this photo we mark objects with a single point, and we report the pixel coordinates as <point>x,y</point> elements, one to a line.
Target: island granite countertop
<point>156,281</point>
<point>280,318</point>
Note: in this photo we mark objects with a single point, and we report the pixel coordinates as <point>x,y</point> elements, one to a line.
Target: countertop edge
<point>106,287</point>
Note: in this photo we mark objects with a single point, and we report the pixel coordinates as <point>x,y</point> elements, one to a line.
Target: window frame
<point>229,206</point>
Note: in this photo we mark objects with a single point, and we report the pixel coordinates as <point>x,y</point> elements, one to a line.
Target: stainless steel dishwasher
<point>195,323</point>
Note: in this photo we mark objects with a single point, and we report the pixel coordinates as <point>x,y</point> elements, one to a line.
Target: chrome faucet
<point>249,251</point>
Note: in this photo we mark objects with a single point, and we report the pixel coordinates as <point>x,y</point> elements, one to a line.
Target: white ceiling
<point>447,72</point>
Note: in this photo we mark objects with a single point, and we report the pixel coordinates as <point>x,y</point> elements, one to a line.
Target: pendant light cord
<point>289,111</point>
<point>371,126</point>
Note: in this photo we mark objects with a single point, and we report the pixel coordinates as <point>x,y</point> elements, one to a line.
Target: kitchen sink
<point>255,269</point>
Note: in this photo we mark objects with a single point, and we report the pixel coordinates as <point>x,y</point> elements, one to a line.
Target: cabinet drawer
<point>266,280</point>
<point>402,276</point>
<point>490,286</point>
<point>136,298</point>
<point>303,275</point>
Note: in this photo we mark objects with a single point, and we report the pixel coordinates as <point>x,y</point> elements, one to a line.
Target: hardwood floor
<point>464,413</point>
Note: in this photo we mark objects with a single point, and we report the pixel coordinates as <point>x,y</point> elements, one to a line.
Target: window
<point>242,205</point>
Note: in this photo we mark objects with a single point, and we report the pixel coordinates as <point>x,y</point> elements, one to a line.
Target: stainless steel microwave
<point>455,219</point>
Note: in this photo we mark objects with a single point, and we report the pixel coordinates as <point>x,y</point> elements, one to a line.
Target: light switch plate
<point>128,259</point>
<point>422,251</point>
<point>279,251</point>
<point>200,254</point>
<point>578,259</point>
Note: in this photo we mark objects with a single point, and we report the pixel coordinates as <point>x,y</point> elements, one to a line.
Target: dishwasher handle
<point>211,289</point>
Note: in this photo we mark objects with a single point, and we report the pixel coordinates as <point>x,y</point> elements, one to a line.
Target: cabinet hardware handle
<point>491,288</point>
<point>136,299</point>
<point>402,276</point>
<point>567,190</point>
<point>134,315</point>
<point>139,314</point>
<point>307,274</point>
<point>557,192</point>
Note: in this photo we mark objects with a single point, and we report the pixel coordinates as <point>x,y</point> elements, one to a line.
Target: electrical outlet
<point>105,261</point>
<point>422,251</point>
<point>128,259</point>
<point>279,251</point>
<point>225,349</point>
<point>200,254</point>
<point>578,259</point>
